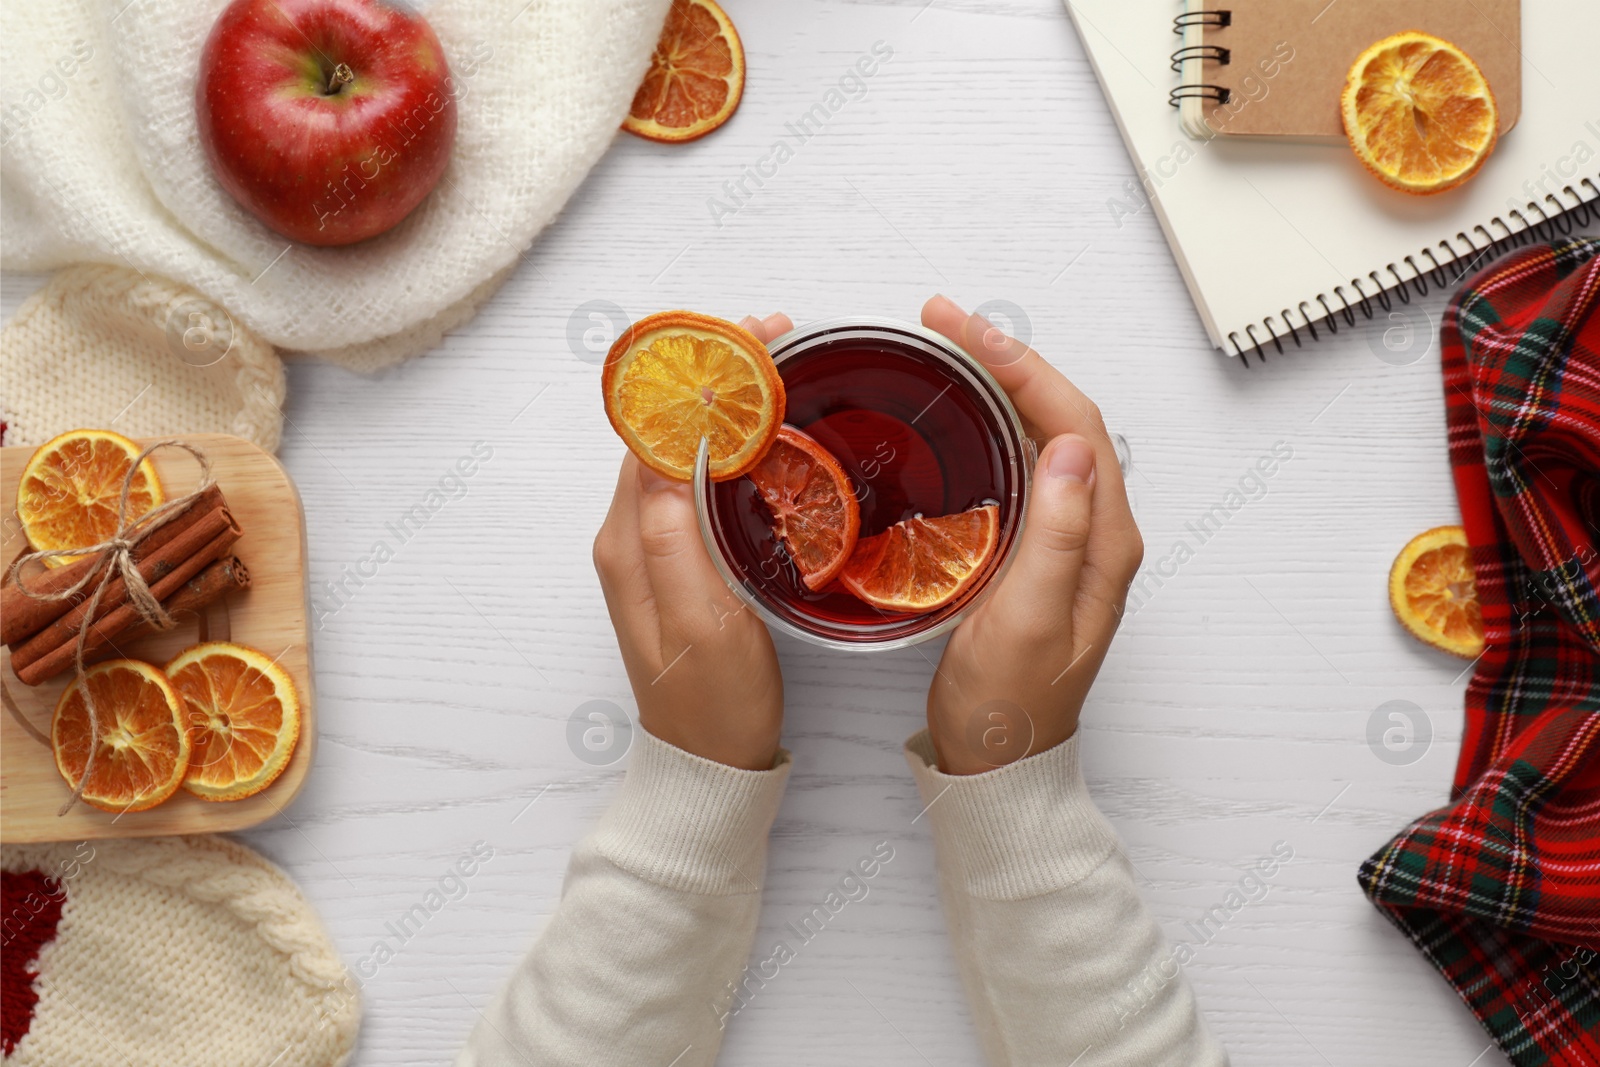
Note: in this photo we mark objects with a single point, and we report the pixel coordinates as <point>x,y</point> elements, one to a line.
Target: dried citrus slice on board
<point>243,716</point>
<point>1433,593</point>
<point>675,376</point>
<point>1419,113</point>
<point>814,510</point>
<point>142,749</point>
<point>696,76</point>
<point>72,485</point>
<point>920,564</point>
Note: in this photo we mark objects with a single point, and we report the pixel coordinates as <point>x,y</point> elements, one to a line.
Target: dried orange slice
<point>71,486</point>
<point>675,376</point>
<point>920,564</point>
<point>243,716</point>
<point>696,76</point>
<point>814,510</point>
<point>1419,113</point>
<point>1432,591</point>
<point>142,748</point>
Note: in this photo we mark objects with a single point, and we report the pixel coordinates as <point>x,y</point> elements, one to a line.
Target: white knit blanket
<point>101,163</point>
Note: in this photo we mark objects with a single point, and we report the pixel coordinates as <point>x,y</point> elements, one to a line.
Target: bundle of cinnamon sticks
<point>186,562</point>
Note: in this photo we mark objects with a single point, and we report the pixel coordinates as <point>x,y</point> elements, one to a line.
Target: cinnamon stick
<point>216,581</point>
<point>23,616</point>
<point>51,651</point>
<point>166,560</point>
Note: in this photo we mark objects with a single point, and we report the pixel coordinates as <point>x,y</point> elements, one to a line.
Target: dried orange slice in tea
<point>1432,591</point>
<point>142,748</point>
<point>1419,113</point>
<point>675,376</point>
<point>71,486</point>
<point>813,507</point>
<point>920,564</point>
<point>243,716</point>
<point>696,76</point>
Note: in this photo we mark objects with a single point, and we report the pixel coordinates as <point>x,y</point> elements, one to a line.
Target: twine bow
<point>114,558</point>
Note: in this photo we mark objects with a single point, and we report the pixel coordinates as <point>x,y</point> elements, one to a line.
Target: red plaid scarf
<point>1501,889</point>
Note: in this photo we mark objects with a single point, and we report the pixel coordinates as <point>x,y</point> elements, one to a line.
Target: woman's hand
<point>701,664</point>
<point>1015,674</point>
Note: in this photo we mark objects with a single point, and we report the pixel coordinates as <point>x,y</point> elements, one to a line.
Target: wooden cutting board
<point>272,615</point>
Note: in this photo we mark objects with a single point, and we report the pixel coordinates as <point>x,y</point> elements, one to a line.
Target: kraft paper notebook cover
<point>1282,242</point>
<point>1274,68</point>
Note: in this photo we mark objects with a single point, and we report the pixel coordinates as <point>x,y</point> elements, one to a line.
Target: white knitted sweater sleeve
<point>655,921</point>
<point>1062,962</point>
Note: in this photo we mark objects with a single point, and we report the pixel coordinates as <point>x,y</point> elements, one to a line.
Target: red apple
<point>329,120</point>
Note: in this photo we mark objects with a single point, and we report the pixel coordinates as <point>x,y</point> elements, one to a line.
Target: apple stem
<point>342,75</point>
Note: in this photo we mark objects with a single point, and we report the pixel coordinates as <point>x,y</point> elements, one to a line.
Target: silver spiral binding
<point>1441,266</point>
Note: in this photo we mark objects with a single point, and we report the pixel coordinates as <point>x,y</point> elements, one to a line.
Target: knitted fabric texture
<point>101,346</point>
<point>1501,889</point>
<point>191,950</point>
<point>30,903</point>
<point>102,163</point>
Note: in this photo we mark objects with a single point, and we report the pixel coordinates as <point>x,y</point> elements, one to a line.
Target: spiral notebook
<point>1274,68</point>
<point>1282,242</point>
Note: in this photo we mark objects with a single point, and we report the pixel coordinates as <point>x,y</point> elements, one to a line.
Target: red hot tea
<point>919,427</point>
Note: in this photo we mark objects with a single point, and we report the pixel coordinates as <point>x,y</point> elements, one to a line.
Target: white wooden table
<point>1232,714</point>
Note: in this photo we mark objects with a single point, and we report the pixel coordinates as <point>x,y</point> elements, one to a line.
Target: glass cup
<point>920,427</point>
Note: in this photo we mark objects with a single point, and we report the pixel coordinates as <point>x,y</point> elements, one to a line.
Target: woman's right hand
<point>1015,674</point>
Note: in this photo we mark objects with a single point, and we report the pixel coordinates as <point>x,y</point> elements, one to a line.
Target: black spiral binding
<point>1444,265</point>
<point>1220,56</point>
<point>1215,19</point>
<point>1216,53</point>
<point>1219,93</point>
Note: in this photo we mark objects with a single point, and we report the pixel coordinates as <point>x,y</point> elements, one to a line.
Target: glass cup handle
<point>1030,452</point>
<point>1032,448</point>
<point>1124,453</point>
